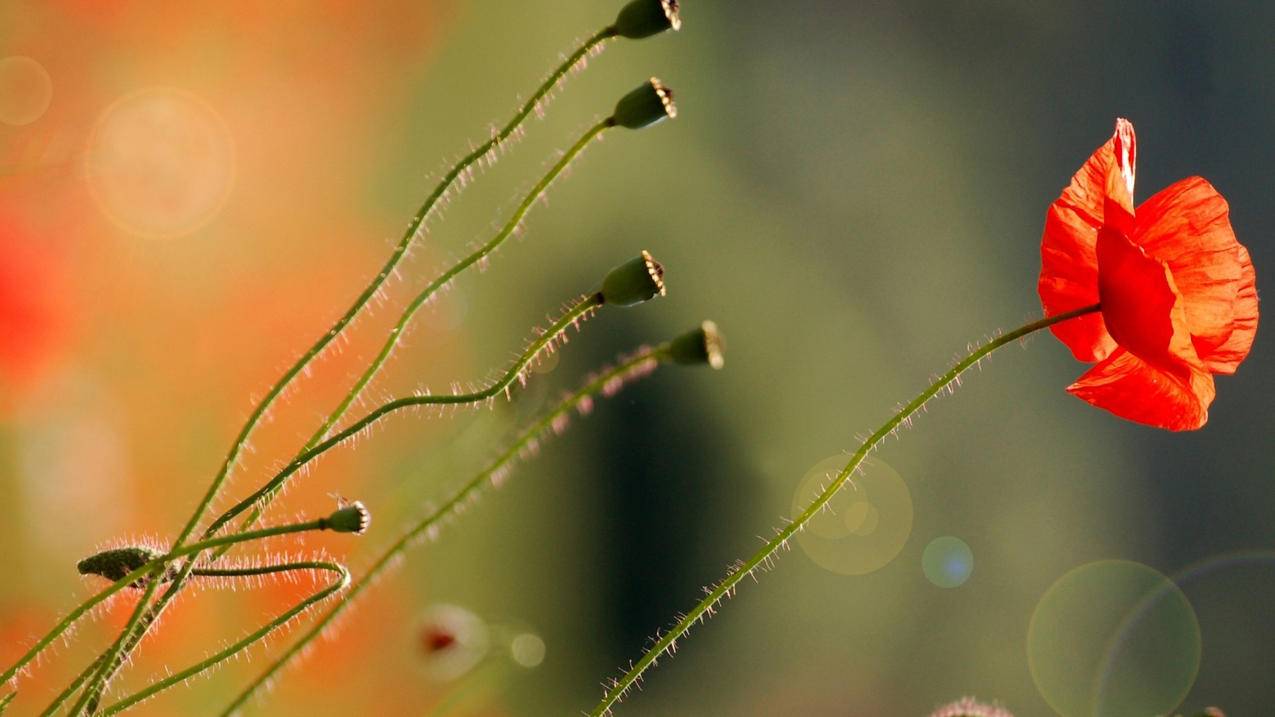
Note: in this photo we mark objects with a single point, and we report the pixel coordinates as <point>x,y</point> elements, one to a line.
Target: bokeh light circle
<point>160,163</point>
<point>451,641</point>
<point>947,562</point>
<point>868,520</point>
<point>26,90</point>
<point>1111,639</point>
<point>527,649</point>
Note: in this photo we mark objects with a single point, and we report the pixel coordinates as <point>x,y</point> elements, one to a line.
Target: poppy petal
<point>1069,264</point>
<point>1141,306</point>
<point>1186,227</point>
<point>1225,358</point>
<point>1135,390</point>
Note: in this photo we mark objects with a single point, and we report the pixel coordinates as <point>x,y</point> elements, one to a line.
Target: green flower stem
<point>582,307</point>
<point>153,567</point>
<point>422,298</point>
<point>228,540</point>
<point>461,168</point>
<point>342,579</point>
<point>666,644</point>
<point>70,689</point>
<point>71,618</point>
<point>4,701</point>
<point>466,493</point>
<point>92,693</point>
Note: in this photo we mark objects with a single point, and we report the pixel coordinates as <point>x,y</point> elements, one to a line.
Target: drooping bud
<point>644,18</point>
<point>648,104</point>
<point>633,282</point>
<point>116,563</point>
<point>350,518</point>
<point>702,345</point>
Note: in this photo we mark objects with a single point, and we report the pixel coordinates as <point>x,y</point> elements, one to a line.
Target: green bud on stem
<point>702,345</point>
<point>644,18</point>
<point>351,518</point>
<point>645,106</point>
<point>116,563</point>
<point>633,282</point>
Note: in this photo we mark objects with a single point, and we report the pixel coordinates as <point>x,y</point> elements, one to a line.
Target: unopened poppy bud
<point>116,563</point>
<point>645,106</point>
<point>698,346</point>
<point>643,18</point>
<point>352,518</point>
<point>633,282</point>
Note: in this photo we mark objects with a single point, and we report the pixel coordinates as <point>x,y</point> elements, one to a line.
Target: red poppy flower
<point>1179,302</point>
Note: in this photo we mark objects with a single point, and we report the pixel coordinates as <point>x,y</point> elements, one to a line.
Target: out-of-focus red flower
<point>33,306</point>
<point>1179,302</point>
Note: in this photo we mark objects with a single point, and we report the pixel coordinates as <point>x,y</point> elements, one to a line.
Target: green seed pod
<point>115,564</point>
<point>644,18</point>
<point>352,518</point>
<point>702,345</point>
<point>648,104</point>
<point>633,282</point>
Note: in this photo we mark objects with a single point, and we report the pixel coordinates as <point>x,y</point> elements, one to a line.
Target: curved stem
<point>580,309</point>
<point>461,168</point>
<point>425,295</point>
<point>342,579</point>
<point>89,697</point>
<point>666,644</point>
<point>152,567</point>
<point>583,307</point>
<point>228,540</point>
<point>75,684</point>
<point>71,618</point>
<point>638,364</point>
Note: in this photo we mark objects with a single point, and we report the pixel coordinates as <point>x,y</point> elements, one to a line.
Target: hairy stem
<point>124,644</point>
<point>153,567</point>
<point>472,488</point>
<point>425,295</point>
<point>667,643</point>
<point>75,685</point>
<point>581,308</point>
<point>72,617</point>
<point>342,578</point>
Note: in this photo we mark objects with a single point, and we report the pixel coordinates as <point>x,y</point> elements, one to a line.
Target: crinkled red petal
<point>1186,227</point>
<point>1069,264</point>
<point>1141,306</point>
<point>1138,391</point>
<point>1225,358</point>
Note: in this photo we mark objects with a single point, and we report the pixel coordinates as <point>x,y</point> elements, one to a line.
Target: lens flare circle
<point>160,163</point>
<point>1113,638</point>
<point>527,650</point>
<point>947,562</point>
<point>26,90</point>
<point>451,640</point>
<point>866,523</point>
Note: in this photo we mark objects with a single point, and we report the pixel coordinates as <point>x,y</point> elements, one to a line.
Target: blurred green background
<point>853,191</point>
